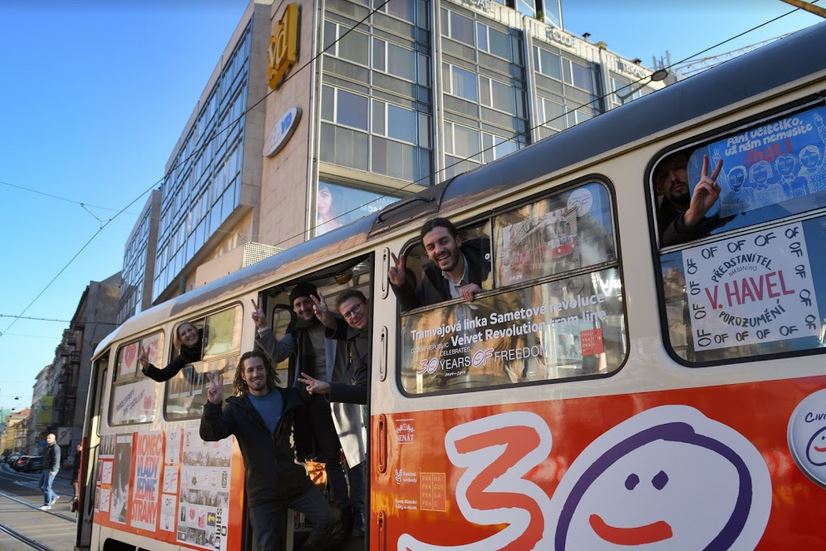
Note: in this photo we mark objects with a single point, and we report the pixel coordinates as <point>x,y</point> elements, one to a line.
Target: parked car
<point>28,463</point>
<point>12,457</point>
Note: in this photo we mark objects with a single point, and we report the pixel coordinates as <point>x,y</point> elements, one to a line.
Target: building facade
<point>323,111</point>
<point>60,390</point>
<point>407,94</point>
<point>139,261</point>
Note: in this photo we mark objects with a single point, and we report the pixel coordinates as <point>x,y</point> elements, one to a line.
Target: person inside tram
<point>350,381</point>
<point>681,215</point>
<point>305,345</point>
<point>456,268</point>
<point>187,340</point>
<point>260,414</point>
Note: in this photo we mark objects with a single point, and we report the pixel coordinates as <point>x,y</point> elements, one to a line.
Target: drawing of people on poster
<point>120,482</point>
<point>769,164</point>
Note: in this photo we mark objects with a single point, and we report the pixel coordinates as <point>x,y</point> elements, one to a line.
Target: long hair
<point>239,385</point>
<point>176,339</point>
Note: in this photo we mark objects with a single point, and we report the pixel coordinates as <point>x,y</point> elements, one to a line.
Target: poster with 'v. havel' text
<point>751,289</point>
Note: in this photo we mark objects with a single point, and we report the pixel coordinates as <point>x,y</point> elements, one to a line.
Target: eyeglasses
<point>353,311</point>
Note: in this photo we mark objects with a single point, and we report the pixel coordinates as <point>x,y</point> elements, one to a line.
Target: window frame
<point>137,377</point>
<point>201,319</point>
<point>657,251</point>
<point>487,220</point>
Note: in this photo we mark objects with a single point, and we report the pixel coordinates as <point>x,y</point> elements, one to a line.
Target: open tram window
<point>747,282</point>
<point>133,394</point>
<point>425,282</point>
<point>292,321</point>
<point>220,344</point>
<point>556,312</point>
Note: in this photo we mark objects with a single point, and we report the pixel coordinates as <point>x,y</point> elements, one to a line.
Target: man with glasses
<point>304,343</point>
<point>350,381</point>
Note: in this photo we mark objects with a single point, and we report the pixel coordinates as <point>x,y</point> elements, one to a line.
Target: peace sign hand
<point>258,315</point>
<point>215,387</point>
<point>322,312</point>
<point>705,194</point>
<point>396,273</point>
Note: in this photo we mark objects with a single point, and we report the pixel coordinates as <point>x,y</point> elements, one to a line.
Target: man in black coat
<point>260,415</point>
<point>51,465</point>
<point>681,215</point>
<point>456,268</point>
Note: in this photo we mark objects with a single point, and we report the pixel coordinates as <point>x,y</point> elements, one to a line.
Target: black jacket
<point>355,367</point>
<point>51,462</point>
<point>186,356</point>
<point>271,471</point>
<point>434,288</point>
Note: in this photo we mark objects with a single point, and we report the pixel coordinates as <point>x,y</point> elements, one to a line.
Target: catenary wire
<point>231,124</point>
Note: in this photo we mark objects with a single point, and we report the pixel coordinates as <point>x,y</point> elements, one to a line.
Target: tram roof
<point>784,61</point>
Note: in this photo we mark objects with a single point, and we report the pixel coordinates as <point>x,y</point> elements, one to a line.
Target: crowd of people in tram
<point>316,415</point>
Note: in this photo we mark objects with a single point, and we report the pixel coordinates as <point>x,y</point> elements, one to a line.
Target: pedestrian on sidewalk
<point>51,465</point>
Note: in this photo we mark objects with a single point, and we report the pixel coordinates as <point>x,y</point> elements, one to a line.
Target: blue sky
<point>95,94</point>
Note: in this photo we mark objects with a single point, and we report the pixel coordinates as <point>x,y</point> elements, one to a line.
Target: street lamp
<point>628,91</point>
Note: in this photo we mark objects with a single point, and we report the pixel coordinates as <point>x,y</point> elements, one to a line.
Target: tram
<point>610,387</point>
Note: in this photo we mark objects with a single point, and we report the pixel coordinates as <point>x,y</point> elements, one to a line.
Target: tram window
<point>546,323</point>
<point>564,232</point>
<point>133,394</point>
<point>762,289</point>
<point>476,236</point>
<point>186,391</point>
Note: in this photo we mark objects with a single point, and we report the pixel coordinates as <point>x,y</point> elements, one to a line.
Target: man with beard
<point>456,268</point>
<point>260,415</point>
<point>304,343</point>
<point>681,216</point>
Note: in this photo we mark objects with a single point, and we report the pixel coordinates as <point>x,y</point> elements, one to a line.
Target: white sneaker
<point>54,499</point>
<point>45,507</point>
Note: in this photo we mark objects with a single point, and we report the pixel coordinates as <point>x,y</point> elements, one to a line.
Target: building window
<point>461,82</point>
<point>495,147</point>
<point>497,95</point>
<point>458,27</point>
<point>344,108</point>
<point>352,46</point>
<point>395,60</point>
<point>547,63</point>
<point>493,41</point>
<point>403,9</point>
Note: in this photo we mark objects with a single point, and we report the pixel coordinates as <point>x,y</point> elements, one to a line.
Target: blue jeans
<point>46,480</point>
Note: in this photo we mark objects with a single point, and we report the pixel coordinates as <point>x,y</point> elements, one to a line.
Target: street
<point>20,499</point>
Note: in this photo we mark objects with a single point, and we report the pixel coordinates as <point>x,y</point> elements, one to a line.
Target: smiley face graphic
<point>807,436</point>
<point>668,478</point>
<point>816,449</point>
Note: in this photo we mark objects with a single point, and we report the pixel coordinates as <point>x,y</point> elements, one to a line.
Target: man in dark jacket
<point>456,268</point>
<point>260,415</point>
<point>308,350</point>
<point>681,216</point>
<point>51,464</point>
<point>351,380</point>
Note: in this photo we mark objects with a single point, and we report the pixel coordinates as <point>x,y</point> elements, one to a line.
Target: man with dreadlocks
<point>260,415</point>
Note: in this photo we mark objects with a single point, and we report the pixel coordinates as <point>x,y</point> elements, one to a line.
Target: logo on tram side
<point>668,477</point>
<point>807,436</point>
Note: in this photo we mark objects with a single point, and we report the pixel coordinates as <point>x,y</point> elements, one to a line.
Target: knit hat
<point>303,290</point>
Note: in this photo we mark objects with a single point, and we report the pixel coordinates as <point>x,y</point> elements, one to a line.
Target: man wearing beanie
<point>304,343</point>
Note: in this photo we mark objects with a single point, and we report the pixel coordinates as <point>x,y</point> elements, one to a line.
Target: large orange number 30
<point>496,453</point>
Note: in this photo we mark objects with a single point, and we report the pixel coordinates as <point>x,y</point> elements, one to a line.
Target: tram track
<point>31,543</point>
<point>30,505</point>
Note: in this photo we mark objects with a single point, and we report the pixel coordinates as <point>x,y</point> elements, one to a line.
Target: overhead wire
<point>196,151</point>
<point>214,133</point>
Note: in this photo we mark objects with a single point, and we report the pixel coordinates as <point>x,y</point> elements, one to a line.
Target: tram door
<point>91,438</point>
